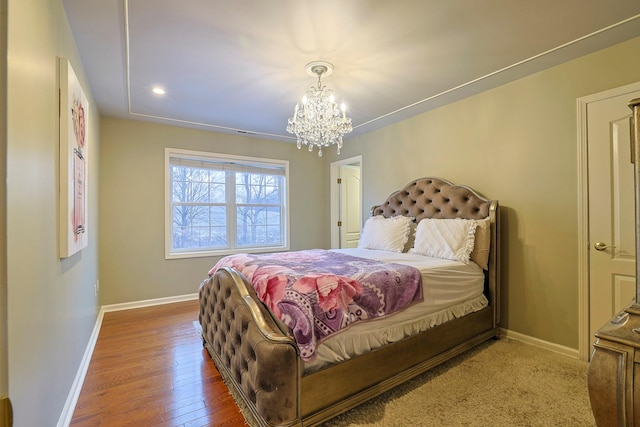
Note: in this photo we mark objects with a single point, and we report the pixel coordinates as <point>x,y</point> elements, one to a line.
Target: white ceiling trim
<point>508,67</point>
<point>597,39</point>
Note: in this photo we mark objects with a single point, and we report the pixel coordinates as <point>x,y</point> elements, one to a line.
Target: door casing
<point>584,339</point>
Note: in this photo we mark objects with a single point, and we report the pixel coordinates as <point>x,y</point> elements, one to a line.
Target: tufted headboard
<point>437,198</point>
<point>434,198</point>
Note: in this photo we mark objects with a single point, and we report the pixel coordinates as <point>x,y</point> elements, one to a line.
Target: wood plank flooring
<point>149,368</point>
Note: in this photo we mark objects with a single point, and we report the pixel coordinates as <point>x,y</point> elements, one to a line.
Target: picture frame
<point>74,155</point>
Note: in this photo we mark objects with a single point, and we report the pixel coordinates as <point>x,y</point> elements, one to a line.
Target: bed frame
<point>261,365</point>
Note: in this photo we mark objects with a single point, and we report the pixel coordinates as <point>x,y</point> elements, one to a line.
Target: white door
<point>611,209</point>
<point>350,212</point>
<point>346,202</point>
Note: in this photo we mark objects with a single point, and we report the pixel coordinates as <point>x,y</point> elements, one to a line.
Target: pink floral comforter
<point>317,293</point>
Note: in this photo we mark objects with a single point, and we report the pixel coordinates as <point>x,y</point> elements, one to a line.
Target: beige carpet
<point>499,383</point>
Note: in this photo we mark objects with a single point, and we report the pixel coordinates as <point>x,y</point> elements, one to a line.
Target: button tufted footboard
<point>249,349</point>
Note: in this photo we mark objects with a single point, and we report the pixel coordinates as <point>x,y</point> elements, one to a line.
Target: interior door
<point>346,201</point>
<point>350,211</point>
<point>612,283</point>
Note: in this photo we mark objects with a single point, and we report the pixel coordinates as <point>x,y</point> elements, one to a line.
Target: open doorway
<point>346,202</point>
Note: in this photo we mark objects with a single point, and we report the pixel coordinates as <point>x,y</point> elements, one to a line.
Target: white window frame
<point>231,221</point>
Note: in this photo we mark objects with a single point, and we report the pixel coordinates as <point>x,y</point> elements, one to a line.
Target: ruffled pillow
<point>385,234</point>
<point>445,238</point>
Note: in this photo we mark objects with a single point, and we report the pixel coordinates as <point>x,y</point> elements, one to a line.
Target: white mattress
<point>451,289</point>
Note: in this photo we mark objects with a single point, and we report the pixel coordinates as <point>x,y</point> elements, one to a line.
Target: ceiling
<point>239,66</point>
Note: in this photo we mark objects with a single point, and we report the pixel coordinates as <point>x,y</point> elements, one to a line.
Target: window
<point>220,204</point>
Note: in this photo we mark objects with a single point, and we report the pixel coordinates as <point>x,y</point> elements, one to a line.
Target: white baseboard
<point>76,387</point>
<point>567,351</point>
<point>148,302</point>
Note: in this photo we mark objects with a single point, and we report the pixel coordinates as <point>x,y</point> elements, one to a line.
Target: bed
<point>259,354</point>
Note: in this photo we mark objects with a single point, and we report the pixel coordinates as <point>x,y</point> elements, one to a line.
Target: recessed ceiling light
<point>158,90</point>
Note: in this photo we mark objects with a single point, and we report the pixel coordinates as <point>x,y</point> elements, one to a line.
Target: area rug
<point>498,383</point>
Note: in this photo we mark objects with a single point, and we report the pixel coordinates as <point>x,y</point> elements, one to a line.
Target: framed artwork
<point>74,154</point>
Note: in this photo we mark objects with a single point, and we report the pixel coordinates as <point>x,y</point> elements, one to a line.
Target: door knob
<point>601,246</point>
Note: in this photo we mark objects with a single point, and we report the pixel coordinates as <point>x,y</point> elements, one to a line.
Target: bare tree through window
<point>219,205</point>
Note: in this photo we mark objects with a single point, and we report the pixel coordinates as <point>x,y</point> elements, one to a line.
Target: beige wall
<point>51,304</point>
<point>518,144</point>
<point>132,264</point>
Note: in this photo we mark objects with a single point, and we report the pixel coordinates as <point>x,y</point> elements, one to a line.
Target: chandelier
<point>318,121</point>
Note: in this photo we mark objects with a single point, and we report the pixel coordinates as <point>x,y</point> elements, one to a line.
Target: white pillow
<point>385,234</point>
<point>445,238</point>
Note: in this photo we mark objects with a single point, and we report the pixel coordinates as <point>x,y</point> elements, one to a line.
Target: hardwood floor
<point>149,368</point>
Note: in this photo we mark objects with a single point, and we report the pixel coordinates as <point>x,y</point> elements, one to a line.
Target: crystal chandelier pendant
<point>318,121</point>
